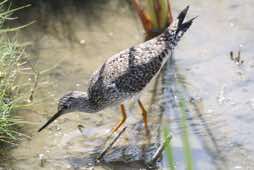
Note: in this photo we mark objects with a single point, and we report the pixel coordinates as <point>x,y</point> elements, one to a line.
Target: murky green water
<point>78,38</point>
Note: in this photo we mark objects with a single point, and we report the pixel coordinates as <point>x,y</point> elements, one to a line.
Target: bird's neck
<point>83,103</point>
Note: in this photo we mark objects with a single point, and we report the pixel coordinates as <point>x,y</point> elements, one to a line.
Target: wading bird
<point>125,75</point>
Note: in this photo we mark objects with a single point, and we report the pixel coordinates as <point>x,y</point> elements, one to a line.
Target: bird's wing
<point>131,70</point>
<point>96,80</point>
<point>138,75</point>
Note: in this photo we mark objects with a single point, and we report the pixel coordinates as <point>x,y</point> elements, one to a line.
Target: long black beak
<point>55,116</point>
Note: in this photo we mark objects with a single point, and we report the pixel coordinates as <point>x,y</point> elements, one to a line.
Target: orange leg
<point>144,114</point>
<point>124,117</point>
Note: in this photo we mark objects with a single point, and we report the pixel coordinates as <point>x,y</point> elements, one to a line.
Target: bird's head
<point>70,102</point>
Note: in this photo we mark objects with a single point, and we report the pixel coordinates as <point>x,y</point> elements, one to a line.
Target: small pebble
<point>110,34</point>
<point>238,167</point>
<point>68,166</point>
<point>82,41</point>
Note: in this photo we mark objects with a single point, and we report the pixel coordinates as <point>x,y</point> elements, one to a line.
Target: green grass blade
<point>8,12</point>
<point>185,134</point>
<point>16,28</point>
<point>169,150</point>
<point>1,3</point>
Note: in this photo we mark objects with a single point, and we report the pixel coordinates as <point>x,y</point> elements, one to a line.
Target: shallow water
<point>78,38</point>
<point>74,39</point>
<point>223,89</point>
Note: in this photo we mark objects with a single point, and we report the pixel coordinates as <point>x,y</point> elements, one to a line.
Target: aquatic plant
<point>10,59</point>
<point>155,16</point>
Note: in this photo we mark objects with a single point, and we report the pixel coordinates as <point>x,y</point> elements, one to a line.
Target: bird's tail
<point>179,27</point>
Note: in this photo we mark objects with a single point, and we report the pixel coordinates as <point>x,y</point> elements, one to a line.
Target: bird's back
<point>132,69</point>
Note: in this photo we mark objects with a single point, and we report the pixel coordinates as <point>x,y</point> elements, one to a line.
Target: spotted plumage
<point>125,74</point>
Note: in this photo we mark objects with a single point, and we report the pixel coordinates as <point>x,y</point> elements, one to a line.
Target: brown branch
<point>157,9</point>
<point>170,16</point>
<point>144,17</point>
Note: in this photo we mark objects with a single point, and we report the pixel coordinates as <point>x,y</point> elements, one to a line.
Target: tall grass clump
<point>10,60</point>
<point>10,57</point>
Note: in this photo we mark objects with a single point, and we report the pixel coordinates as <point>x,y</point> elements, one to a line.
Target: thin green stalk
<point>1,3</point>
<point>169,150</point>
<point>16,28</point>
<point>8,12</point>
<point>185,134</point>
